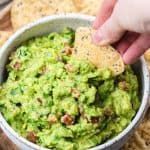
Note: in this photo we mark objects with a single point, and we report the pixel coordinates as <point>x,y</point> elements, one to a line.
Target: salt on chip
<point>100,56</point>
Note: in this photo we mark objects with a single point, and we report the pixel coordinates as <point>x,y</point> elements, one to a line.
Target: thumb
<point>109,32</point>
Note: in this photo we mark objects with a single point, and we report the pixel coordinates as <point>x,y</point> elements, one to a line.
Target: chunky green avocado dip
<point>59,102</point>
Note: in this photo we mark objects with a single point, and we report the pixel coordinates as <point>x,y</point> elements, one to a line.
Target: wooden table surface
<point>5,143</point>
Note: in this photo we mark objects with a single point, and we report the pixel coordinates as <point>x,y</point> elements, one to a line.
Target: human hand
<point>126,22</point>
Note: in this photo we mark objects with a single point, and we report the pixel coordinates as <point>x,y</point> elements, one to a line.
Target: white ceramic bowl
<point>57,23</point>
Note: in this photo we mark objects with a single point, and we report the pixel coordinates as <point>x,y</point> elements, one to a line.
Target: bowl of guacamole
<point>51,100</point>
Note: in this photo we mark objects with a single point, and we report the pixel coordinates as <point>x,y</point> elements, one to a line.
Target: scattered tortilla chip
<point>141,138</point>
<point>100,56</point>
<point>89,7</point>
<point>4,35</point>
<point>78,4</point>
<point>147,55</point>
<point>136,143</point>
<point>26,11</point>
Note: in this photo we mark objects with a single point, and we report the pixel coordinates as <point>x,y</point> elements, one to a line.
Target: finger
<point>137,49</point>
<point>104,13</point>
<point>126,41</point>
<point>109,32</point>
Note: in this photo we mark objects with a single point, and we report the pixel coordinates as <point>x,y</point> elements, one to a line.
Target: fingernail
<point>99,39</point>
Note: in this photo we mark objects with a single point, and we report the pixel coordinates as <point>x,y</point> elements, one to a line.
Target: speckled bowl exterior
<point>57,23</point>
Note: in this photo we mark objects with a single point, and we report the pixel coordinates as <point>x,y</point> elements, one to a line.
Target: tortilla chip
<point>136,143</point>
<point>4,35</point>
<point>147,55</point>
<point>141,138</point>
<point>78,4</point>
<point>100,56</point>
<point>26,11</point>
<point>89,7</point>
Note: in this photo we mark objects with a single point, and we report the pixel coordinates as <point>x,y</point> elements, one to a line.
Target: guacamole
<point>60,102</point>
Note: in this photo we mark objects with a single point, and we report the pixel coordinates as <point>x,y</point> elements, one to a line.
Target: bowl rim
<point>142,109</point>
